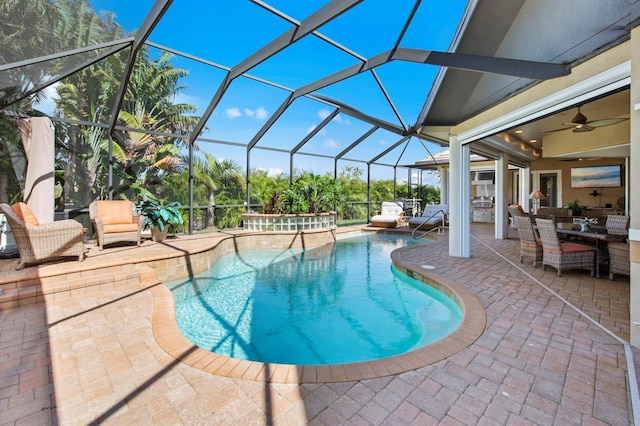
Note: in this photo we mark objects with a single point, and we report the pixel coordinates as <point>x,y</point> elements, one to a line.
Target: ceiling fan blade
<point>571,124</point>
<point>583,128</point>
<point>605,122</point>
<point>557,130</point>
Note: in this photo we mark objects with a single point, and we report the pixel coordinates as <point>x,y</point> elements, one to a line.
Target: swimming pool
<point>333,304</point>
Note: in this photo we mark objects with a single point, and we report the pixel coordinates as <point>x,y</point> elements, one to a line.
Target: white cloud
<point>382,142</point>
<point>311,128</point>
<point>341,119</point>
<point>232,113</point>
<point>324,113</point>
<point>261,113</point>
<point>274,171</point>
<point>330,143</point>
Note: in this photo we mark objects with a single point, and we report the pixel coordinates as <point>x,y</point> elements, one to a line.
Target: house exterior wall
<point>607,195</point>
<point>634,185</point>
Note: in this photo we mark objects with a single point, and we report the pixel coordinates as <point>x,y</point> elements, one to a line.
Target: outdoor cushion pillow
<point>25,214</point>
<point>114,212</point>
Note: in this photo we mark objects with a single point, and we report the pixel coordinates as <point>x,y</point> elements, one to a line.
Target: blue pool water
<point>335,304</point>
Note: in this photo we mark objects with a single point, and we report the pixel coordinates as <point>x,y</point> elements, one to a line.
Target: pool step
<point>32,290</point>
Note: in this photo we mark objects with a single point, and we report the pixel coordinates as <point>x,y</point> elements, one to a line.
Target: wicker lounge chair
<point>391,214</point>
<point>530,244</point>
<point>619,262</point>
<point>563,255</point>
<point>115,221</point>
<point>38,243</point>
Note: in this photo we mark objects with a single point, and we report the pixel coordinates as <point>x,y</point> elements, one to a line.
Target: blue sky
<point>225,32</point>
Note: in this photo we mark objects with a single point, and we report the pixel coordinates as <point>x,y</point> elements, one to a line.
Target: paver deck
<point>552,352</point>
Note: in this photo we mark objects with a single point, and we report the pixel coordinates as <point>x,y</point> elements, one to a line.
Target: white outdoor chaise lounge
<point>432,216</point>
<point>391,214</point>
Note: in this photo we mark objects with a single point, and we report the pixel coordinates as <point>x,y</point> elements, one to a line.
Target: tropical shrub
<point>311,193</point>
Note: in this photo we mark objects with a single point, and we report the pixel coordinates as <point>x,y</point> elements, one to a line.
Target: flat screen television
<point>596,176</point>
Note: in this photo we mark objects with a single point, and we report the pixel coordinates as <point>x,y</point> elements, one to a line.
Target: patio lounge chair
<point>433,215</point>
<point>391,214</point>
<point>530,244</point>
<point>115,221</point>
<point>563,255</point>
<point>39,243</point>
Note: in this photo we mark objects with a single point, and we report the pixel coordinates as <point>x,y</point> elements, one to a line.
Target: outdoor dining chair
<point>515,210</point>
<point>563,255</point>
<point>619,262</point>
<point>617,224</point>
<point>530,244</point>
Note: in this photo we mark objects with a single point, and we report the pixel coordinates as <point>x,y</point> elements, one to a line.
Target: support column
<point>501,214</point>
<point>633,184</point>
<point>459,199</point>
<point>444,185</point>
<point>525,188</point>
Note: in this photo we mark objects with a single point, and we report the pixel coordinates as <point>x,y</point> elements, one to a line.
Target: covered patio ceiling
<point>499,49</point>
<point>569,32</point>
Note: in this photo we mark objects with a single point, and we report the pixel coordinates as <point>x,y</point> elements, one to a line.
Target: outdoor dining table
<point>598,233</point>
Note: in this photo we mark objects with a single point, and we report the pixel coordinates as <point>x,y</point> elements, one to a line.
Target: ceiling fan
<point>580,123</point>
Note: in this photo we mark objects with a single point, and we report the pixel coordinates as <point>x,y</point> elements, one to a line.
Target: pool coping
<point>174,343</point>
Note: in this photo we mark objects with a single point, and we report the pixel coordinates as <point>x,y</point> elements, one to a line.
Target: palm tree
<point>10,148</point>
<point>86,96</point>
<point>26,28</point>
<point>219,182</point>
<point>148,104</point>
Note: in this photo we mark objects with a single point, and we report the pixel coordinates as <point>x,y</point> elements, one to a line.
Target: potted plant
<point>575,207</point>
<point>158,216</point>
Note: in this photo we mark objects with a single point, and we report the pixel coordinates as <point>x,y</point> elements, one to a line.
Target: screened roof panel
<point>434,25</point>
<point>371,145</point>
<point>223,32</point>
<point>90,94</point>
<point>200,83</point>
<point>127,14</point>
<point>24,79</point>
<point>408,92</point>
<point>337,135</point>
<point>304,62</point>
<point>295,123</point>
<point>367,31</point>
<point>298,45</point>
<point>363,93</point>
<point>298,10</point>
<point>243,110</point>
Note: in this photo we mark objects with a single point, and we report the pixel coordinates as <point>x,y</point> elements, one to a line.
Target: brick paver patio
<point>90,356</point>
